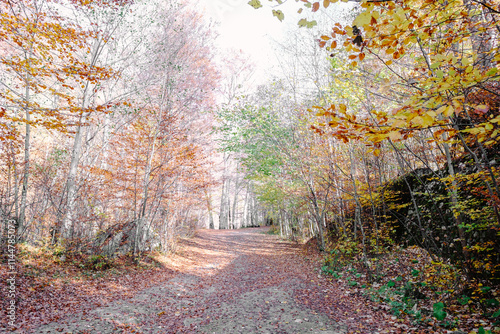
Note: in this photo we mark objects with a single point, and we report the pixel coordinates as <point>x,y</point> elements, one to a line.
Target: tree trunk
<point>67,223</point>
<point>24,191</point>
<point>210,211</point>
<point>223,213</point>
<point>358,206</point>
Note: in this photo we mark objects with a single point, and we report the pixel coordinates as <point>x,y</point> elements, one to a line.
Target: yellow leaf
<point>349,31</point>
<point>428,120</point>
<point>362,19</point>
<point>394,135</point>
<point>449,111</point>
<point>442,109</point>
<point>398,123</point>
<point>431,114</point>
<point>417,120</point>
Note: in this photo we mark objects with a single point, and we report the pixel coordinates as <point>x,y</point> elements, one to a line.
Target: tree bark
<point>71,189</point>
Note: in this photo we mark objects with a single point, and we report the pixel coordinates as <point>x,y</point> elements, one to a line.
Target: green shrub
<point>98,262</point>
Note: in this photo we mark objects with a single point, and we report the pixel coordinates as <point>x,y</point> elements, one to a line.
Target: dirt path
<point>238,281</point>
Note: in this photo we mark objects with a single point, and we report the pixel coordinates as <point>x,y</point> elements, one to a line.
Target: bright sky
<point>255,31</point>
<point>251,30</point>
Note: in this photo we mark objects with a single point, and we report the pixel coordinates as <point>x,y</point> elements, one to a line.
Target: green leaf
<point>279,14</point>
<point>311,24</point>
<point>492,302</point>
<point>492,71</point>
<point>390,284</point>
<point>435,65</point>
<point>485,289</point>
<point>255,4</point>
<point>464,300</point>
<point>302,23</point>
<point>438,311</point>
<point>308,24</point>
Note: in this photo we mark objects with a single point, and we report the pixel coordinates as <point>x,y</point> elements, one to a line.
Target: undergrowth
<point>57,262</point>
<point>408,283</point>
<point>273,230</point>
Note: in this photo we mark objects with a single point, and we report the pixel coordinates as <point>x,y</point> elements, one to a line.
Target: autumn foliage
<point>101,127</point>
<point>113,141</point>
<point>404,148</point>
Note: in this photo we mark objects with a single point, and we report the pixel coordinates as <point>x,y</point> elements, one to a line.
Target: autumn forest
<point>124,129</point>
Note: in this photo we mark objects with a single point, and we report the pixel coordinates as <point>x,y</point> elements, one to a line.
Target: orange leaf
<point>315,6</point>
<point>353,57</point>
<point>361,56</point>
<point>334,44</point>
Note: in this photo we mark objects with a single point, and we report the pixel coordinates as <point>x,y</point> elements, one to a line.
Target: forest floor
<point>232,281</point>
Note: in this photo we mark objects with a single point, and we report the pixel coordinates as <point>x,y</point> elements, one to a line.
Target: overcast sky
<point>255,31</point>
<point>251,30</point>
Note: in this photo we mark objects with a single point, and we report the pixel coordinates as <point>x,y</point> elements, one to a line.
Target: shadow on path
<point>237,281</point>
